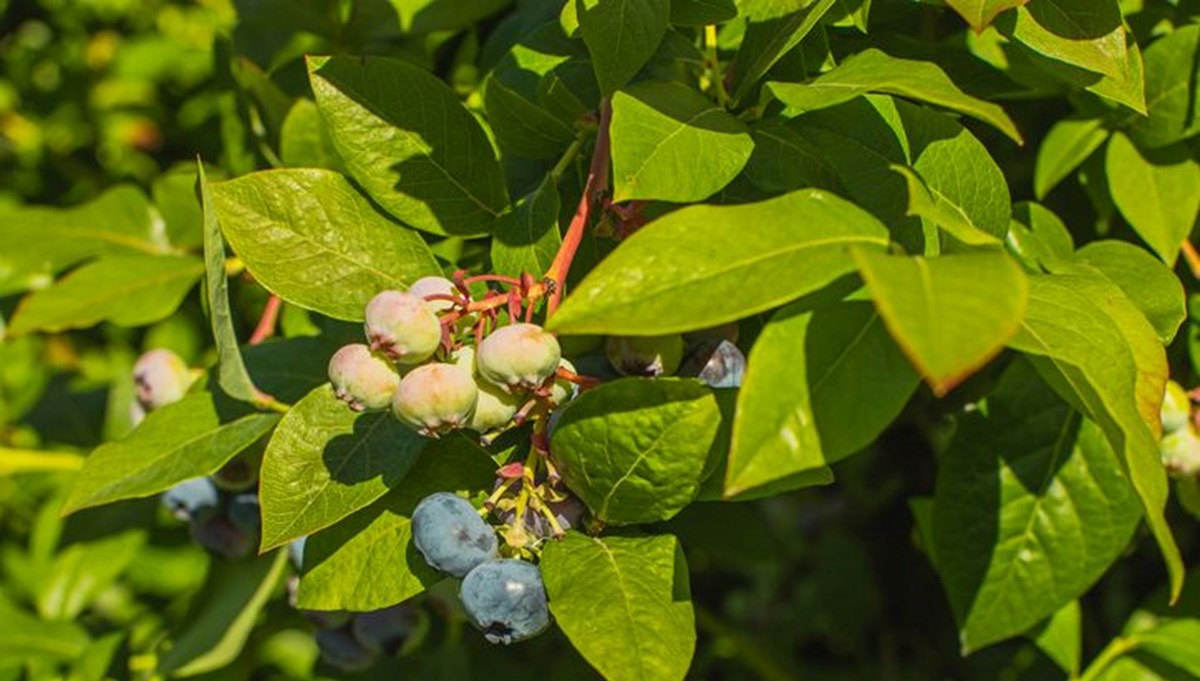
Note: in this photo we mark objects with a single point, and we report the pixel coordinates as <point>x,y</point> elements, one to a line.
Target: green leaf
<point>522,127</point>
<point>950,315</point>
<point>1172,97</point>
<point>231,369</point>
<point>702,12</point>
<point>367,561</point>
<point>23,636</point>
<point>624,603</point>
<point>820,384</point>
<point>309,237</point>
<point>1067,145</point>
<point>174,195</point>
<point>1030,510</point>
<point>784,160</point>
<point>225,614</point>
<point>527,239</point>
<point>980,13</point>
<point>873,70</point>
<point>83,571</point>
<point>408,141</point>
<point>426,16</point>
<point>184,440</point>
<point>1174,642</point>
<point>772,30</point>
<point>942,211</point>
<point>325,462</point>
<point>635,450</point>
<point>37,242</point>
<point>670,143</point>
<point>1156,190</point>
<point>549,71</point>
<point>1083,339</point>
<point>1150,284</point>
<point>304,142</point>
<point>1084,33</point>
<point>731,272</point>
<point>132,290</point>
<point>621,36</point>
<point>1037,236</point>
<point>1061,638</point>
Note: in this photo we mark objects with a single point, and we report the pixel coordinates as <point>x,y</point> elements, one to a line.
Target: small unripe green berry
<point>645,355</point>
<point>160,377</point>
<point>1176,408</point>
<point>562,389</point>
<point>435,398</point>
<point>495,407</point>
<point>1181,453</point>
<point>518,357</point>
<point>428,286</point>
<point>363,379</point>
<point>403,327</point>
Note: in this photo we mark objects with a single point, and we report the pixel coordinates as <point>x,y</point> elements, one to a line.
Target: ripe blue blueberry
<point>296,552</point>
<point>645,355</point>
<point>449,533</point>
<point>506,600</point>
<point>160,377</point>
<point>231,531</point>
<point>189,497</point>
<point>388,630</point>
<point>720,364</point>
<point>402,326</point>
<point>340,649</point>
<point>518,357</point>
<point>363,379</point>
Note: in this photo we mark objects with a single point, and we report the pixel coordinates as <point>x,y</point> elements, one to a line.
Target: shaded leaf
<point>1068,144</point>
<point>528,238</point>
<point>1172,96</point>
<point>980,13</point>
<point>621,36</point>
<point>772,29</point>
<point>1084,33</point>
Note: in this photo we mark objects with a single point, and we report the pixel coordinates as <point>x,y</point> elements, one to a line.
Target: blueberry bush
<point>634,340</point>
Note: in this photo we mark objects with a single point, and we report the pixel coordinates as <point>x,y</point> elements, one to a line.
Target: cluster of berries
<point>1180,444</point>
<point>221,510</point>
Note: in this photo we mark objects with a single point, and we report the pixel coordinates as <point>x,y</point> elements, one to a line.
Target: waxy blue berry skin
<point>507,600</point>
<point>296,552</point>
<point>231,531</point>
<point>386,631</point>
<point>340,649</point>
<point>723,366</point>
<point>189,497</point>
<point>449,533</point>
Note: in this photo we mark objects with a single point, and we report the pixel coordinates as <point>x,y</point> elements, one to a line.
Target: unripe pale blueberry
<point>402,326</point>
<point>160,377</point>
<point>435,398</point>
<point>450,534</point>
<point>429,286</point>
<point>562,389</point>
<point>363,379</point>
<point>495,408</point>
<point>1181,452</point>
<point>188,498</point>
<point>518,357</point>
<point>1176,408</point>
<point>506,600</point>
<point>645,355</point>
<point>340,649</point>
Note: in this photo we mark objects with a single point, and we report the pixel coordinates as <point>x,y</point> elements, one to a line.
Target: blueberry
<point>518,357</point>
<point>436,398</point>
<point>1176,408</point>
<point>363,379</point>
<point>189,497</point>
<point>340,649</point>
<point>1181,453</point>
<point>388,630</point>
<point>296,552</point>
<point>449,533</point>
<point>231,531</point>
<point>494,408</point>
<point>645,355</point>
<point>720,364</point>
<point>563,390</point>
<point>428,286</point>
<point>160,377</point>
<point>506,599</point>
<point>402,326</point>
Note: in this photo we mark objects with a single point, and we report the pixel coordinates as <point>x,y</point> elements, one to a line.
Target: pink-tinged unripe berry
<point>1181,453</point>
<point>160,377</point>
<point>402,326</point>
<point>562,389</point>
<point>518,357</point>
<point>435,398</point>
<point>495,408</point>
<point>430,286</point>
<point>363,379</point>
<point>645,355</point>
<point>1176,408</point>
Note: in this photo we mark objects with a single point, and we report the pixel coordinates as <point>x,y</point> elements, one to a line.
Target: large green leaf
<point>1037,237</point>
<point>1174,642</point>
<point>523,127</point>
<point>23,636</point>
<point>224,615</point>
<point>304,142</point>
<point>325,462</point>
<point>635,450</point>
<point>873,70</point>
<point>309,237</point>
<point>621,36</point>
<point>741,260</point>
<point>783,160</point>
<point>1030,510</point>
<point>624,602</point>
<point>184,440</point>
<point>1172,95</point>
<point>820,385</point>
<point>1150,284</point>
<point>1068,144</point>
<point>405,137</point>
<point>951,314</point>
<point>1156,190</point>
<point>1060,637</point>
<point>942,211</point>
<point>37,243</point>
<point>980,13</point>
<point>132,290</point>
<point>772,30</point>
<point>1079,332</point>
<point>367,561</point>
<point>83,571</point>
<point>670,143</point>
<point>1084,33</point>
<point>528,238</point>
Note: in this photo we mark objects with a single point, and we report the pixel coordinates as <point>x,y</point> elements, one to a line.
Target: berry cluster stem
<point>266,323</point>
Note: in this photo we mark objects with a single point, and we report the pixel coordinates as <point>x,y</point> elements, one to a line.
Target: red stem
<point>266,323</point>
<point>597,183</point>
<point>511,281</point>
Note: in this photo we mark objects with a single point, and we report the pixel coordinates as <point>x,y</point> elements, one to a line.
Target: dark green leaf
<point>980,13</point>
<point>784,160</point>
<point>1172,97</point>
<point>23,636</point>
<point>1068,144</point>
<point>702,12</point>
<point>772,29</point>
<point>527,239</point>
<point>621,36</point>
<point>522,127</point>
